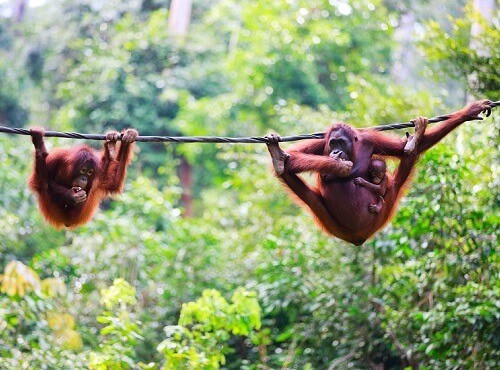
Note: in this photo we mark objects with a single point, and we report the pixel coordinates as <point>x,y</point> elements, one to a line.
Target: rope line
<point>216,139</point>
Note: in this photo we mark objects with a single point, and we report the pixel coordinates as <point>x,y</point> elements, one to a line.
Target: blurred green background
<point>204,262</point>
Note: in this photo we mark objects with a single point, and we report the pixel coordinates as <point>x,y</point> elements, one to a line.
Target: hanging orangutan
<point>340,202</point>
<point>71,182</point>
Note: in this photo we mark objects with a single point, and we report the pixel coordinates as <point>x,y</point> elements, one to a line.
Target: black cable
<point>214,139</point>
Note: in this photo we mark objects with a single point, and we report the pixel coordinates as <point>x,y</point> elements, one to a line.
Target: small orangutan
<point>377,182</point>
<point>71,182</point>
<point>341,204</point>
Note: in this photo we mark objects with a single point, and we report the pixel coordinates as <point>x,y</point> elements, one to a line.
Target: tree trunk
<point>486,8</point>
<point>19,10</point>
<point>178,24</point>
<point>185,173</point>
<point>180,17</point>
<point>404,53</point>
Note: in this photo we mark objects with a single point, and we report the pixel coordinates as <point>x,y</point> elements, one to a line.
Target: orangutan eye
<point>90,172</point>
<point>82,171</point>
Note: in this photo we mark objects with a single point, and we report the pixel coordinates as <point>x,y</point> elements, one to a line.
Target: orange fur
<point>53,174</point>
<point>338,204</point>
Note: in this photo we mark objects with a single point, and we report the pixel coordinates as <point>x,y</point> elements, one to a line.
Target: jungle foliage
<point>248,282</point>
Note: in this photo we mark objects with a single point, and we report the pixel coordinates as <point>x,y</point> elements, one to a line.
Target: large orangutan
<point>71,182</point>
<point>341,201</point>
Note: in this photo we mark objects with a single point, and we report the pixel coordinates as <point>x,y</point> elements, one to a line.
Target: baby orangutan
<point>377,170</point>
<point>70,183</point>
<point>378,185</point>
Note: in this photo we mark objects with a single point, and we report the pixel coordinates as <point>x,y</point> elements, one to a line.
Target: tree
<point>460,54</point>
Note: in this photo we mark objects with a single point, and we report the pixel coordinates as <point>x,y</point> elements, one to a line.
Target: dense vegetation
<point>248,282</point>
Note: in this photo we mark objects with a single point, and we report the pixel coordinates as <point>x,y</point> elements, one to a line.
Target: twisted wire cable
<point>216,139</point>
